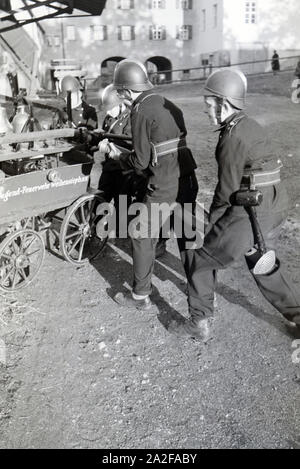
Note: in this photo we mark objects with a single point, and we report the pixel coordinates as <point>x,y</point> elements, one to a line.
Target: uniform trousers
<point>143,247</point>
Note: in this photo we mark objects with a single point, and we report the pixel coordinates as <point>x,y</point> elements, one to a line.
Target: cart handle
<point>37,136</point>
<point>56,133</point>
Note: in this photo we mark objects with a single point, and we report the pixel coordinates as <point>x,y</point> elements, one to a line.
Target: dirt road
<point>83,373</point>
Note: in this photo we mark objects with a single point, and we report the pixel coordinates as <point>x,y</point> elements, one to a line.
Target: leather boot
<point>127,301</point>
<point>194,327</point>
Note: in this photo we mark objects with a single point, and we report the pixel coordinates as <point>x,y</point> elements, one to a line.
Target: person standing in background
<point>275,63</point>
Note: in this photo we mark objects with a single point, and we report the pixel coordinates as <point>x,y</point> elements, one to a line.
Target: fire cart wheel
<point>78,241</point>
<point>21,257</point>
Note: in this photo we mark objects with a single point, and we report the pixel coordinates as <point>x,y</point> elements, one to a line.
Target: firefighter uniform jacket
<point>243,150</point>
<point>243,147</point>
<point>155,120</point>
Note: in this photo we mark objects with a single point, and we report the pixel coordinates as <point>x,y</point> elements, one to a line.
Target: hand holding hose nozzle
<point>261,261</point>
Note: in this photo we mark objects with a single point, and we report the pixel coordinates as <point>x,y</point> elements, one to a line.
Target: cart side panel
<point>33,193</point>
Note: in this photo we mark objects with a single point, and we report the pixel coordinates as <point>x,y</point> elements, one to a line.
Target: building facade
<point>20,50</point>
<point>168,35</point>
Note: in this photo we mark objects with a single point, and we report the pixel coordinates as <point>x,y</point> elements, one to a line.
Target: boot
<point>194,328</point>
<point>127,301</point>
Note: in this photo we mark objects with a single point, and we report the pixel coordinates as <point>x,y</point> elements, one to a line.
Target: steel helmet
<point>131,75</point>
<point>69,83</point>
<point>229,84</point>
<point>109,97</point>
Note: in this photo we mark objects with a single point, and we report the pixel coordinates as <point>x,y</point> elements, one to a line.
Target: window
<point>156,4</point>
<point>53,41</point>
<point>215,14</point>
<point>158,33</point>
<point>185,32</point>
<point>203,20</point>
<point>57,41</point>
<point>125,4</point>
<point>126,33</point>
<point>184,4</point>
<point>250,13</point>
<point>71,35</point>
<point>99,32</point>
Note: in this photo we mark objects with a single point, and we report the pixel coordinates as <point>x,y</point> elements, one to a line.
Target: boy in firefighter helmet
<point>245,161</point>
<point>81,113</point>
<point>113,182</point>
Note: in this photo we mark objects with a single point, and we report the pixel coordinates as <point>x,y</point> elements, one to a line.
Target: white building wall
<point>227,41</point>
<point>20,49</point>
<point>181,54</point>
<point>276,27</point>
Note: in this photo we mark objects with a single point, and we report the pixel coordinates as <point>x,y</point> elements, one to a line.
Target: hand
<point>104,146</point>
<point>114,153</point>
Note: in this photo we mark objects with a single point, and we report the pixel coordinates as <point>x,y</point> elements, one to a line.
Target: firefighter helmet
<point>69,83</point>
<point>131,75</point>
<point>109,97</point>
<point>228,84</point>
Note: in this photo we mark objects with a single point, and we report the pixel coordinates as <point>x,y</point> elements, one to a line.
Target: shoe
<point>191,328</point>
<point>127,301</point>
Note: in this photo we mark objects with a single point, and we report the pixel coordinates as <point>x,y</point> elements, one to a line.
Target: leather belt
<point>256,179</point>
<point>167,147</point>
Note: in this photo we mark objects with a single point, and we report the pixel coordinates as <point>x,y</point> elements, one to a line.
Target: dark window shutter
<point>105,34</point>
<point>164,33</point>
<point>132,4</point>
<point>119,4</point>
<point>177,32</point>
<point>190,4</point>
<point>119,33</point>
<point>190,32</point>
<point>133,33</point>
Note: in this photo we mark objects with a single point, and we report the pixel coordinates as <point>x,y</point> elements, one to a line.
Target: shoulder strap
<point>137,105</point>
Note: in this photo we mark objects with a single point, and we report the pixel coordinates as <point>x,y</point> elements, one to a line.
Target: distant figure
<point>275,63</point>
<point>297,71</point>
<point>296,84</point>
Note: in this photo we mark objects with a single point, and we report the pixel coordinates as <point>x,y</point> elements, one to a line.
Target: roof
<point>93,7</point>
<point>9,20</point>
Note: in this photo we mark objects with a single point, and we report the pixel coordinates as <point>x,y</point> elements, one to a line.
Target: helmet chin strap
<point>223,110</point>
<point>215,109</point>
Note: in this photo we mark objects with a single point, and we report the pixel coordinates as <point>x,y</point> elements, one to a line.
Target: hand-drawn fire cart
<point>41,184</point>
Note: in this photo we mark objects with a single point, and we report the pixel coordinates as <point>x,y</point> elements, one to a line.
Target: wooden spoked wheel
<point>78,241</point>
<point>21,257</point>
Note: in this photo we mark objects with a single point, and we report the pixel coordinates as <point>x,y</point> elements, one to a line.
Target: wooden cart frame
<point>52,192</point>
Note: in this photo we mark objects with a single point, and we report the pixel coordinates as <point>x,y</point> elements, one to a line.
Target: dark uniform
<point>158,128</point>
<point>275,63</point>
<point>114,180</point>
<point>85,116</point>
<point>82,116</point>
<point>242,149</point>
